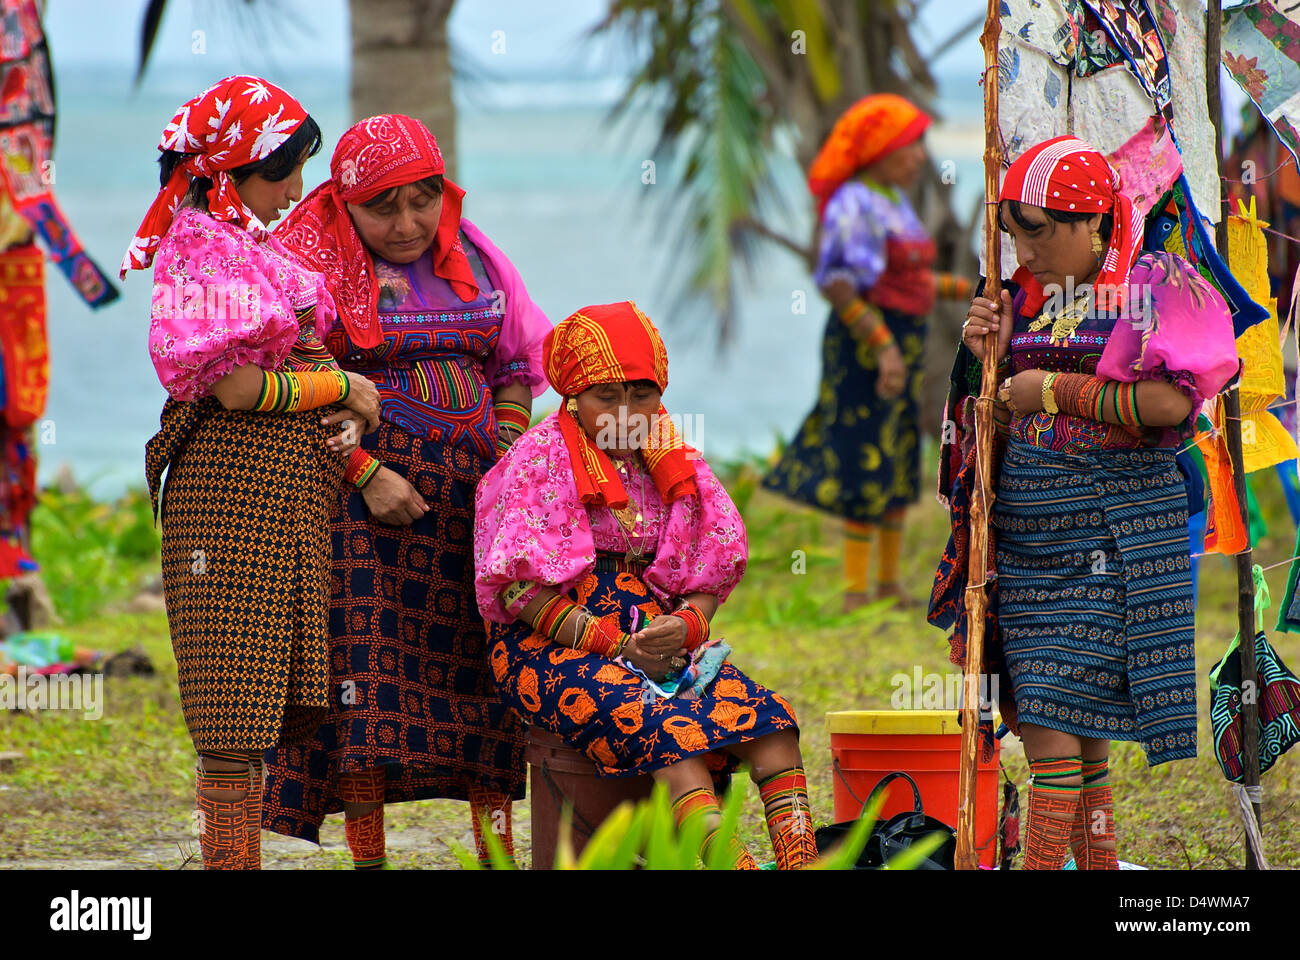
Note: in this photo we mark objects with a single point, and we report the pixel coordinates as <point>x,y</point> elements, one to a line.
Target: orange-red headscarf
<point>373,155</point>
<point>614,343</point>
<point>865,132</point>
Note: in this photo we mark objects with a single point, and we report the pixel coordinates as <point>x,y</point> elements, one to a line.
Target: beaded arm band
<point>852,316</point>
<point>298,391</point>
<point>697,624</point>
<point>512,421</point>
<point>361,467</point>
<point>589,631</point>
<point>1086,396</point>
<point>949,286</point>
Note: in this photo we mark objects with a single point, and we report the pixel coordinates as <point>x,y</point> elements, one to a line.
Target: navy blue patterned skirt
<point>1095,603</point>
<point>412,692</point>
<point>857,456</point>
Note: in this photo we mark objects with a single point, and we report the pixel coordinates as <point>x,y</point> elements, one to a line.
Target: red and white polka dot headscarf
<point>1066,173</point>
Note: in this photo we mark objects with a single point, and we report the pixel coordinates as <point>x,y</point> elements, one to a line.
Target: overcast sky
<point>296,33</point>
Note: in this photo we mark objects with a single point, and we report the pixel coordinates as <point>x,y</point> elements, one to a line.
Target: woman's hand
<point>663,635</point>
<point>349,438</point>
<point>650,664</point>
<point>390,499</point>
<point>984,317</point>
<point>840,291</point>
<point>1023,393</point>
<point>892,375</point>
<point>364,399</point>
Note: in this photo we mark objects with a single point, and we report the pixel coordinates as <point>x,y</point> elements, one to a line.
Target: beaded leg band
<point>365,833</point>
<point>1053,807</point>
<point>701,802</point>
<point>1093,838</point>
<point>223,830</point>
<point>789,818</point>
<point>495,808</point>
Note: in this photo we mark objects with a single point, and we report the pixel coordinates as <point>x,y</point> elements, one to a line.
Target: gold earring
<point>1097,246</point>
<point>572,406</point>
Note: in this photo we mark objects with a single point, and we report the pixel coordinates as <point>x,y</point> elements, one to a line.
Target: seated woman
<point>601,551</point>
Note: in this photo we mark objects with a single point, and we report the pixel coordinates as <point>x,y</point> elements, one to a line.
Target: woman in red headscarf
<point>603,547</point>
<point>248,442</point>
<point>857,454</point>
<point>1106,356</point>
<point>438,318</point>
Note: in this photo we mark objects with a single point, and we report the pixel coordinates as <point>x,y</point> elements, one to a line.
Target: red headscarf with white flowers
<point>235,122</point>
<point>1065,173</point>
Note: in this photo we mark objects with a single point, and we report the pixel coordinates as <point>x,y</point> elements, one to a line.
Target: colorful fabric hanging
<point>1224,531</point>
<point>1175,225</point>
<point>1261,49</point>
<point>1132,28</point>
<point>1278,697</point>
<point>1264,441</point>
<point>24,349</point>
<point>27,147</point>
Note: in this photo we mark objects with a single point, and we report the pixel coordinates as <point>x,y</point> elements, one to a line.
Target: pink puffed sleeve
<point>1176,328</point>
<point>703,547</point>
<point>528,521</point>
<point>214,307</point>
<point>518,354</point>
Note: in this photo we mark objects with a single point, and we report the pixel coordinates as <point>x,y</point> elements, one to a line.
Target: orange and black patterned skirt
<point>245,567</point>
<point>597,706</point>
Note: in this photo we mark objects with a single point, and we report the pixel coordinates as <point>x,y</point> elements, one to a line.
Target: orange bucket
<point>926,745</point>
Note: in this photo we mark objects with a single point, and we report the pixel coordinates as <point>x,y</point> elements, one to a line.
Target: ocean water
<point>556,186</point>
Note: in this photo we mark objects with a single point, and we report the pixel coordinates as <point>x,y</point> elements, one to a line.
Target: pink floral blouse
<point>530,525</point>
<point>221,300</point>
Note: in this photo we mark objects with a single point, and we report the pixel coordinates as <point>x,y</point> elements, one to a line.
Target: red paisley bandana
<point>237,121</point>
<point>374,155</point>
<point>1065,173</point>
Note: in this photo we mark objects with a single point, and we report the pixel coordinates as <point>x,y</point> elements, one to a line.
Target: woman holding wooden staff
<point>1104,358</point>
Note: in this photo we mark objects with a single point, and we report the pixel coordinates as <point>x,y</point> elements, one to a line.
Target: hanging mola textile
<point>27,146</point>
<point>1264,441</point>
<point>1128,78</point>
<point>1261,49</point>
<point>1278,697</point>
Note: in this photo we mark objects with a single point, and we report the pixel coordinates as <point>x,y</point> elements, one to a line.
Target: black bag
<point>892,836</point>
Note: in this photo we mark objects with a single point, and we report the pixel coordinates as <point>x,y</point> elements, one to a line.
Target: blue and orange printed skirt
<point>1095,605</point>
<point>594,705</point>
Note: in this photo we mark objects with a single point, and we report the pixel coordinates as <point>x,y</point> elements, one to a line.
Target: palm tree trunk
<point>401,63</point>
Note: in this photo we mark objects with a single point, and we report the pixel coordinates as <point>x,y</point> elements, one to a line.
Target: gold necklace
<point>1065,322</point>
<point>628,517</point>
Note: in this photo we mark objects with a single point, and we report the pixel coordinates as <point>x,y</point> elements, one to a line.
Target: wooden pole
<point>967,856</point>
<point>1232,432</point>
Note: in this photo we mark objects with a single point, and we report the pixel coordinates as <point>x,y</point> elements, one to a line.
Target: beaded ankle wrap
<point>1053,807</point>
<point>365,833</point>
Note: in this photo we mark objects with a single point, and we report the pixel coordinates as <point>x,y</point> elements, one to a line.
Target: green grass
<point>119,791</point>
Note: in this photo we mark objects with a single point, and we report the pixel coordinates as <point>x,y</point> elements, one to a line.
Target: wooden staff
<point>1232,434</point>
<point>967,856</point>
